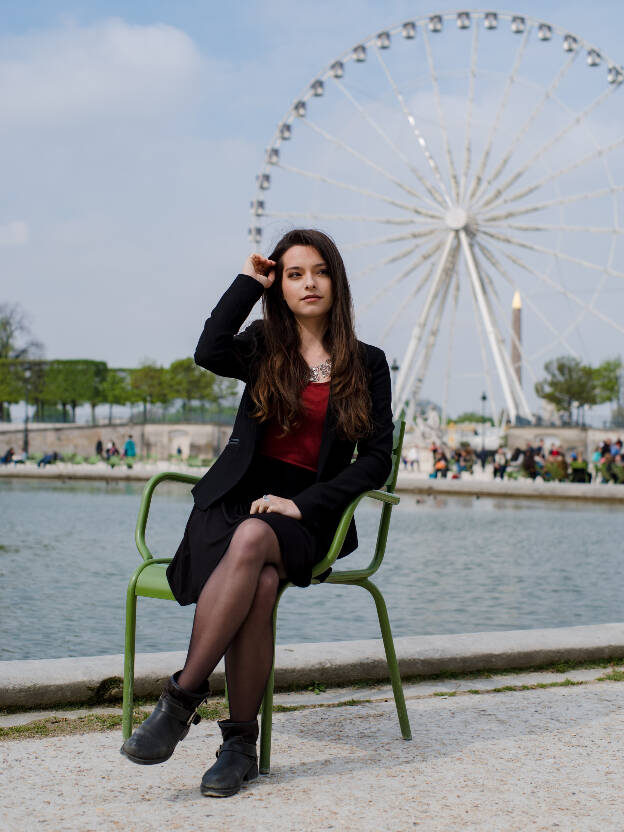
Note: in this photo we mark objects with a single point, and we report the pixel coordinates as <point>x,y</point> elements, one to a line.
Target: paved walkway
<point>538,759</point>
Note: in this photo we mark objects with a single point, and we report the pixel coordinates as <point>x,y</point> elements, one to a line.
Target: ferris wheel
<point>461,160</point>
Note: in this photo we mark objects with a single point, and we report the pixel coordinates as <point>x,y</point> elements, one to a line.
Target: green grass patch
<point>317,688</point>
<point>614,676</point>
<point>58,726</point>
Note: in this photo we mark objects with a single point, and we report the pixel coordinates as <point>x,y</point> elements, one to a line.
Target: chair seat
<point>152,582</point>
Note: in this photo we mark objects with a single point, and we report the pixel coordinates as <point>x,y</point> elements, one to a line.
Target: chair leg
<point>128,687</point>
<point>393,665</point>
<point>266,724</point>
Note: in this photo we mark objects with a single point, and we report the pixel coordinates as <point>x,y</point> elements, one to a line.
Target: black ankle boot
<point>155,739</point>
<point>237,759</point>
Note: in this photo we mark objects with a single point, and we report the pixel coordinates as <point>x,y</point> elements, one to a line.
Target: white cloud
<point>77,73</point>
<point>13,234</point>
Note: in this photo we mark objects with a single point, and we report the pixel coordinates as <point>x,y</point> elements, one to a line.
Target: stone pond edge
<point>97,679</point>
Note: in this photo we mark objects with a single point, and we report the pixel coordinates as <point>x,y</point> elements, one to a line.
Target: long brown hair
<point>282,371</point>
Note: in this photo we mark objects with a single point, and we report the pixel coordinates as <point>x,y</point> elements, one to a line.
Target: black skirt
<point>208,533</point>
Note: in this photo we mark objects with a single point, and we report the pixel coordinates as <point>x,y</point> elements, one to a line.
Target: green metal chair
<point>149,580</point>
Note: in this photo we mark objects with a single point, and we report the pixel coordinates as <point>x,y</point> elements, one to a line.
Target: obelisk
<point>516,341</point>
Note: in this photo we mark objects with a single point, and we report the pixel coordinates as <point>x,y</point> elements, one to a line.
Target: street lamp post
<point>394,369</point>
<point>26,386</point>
<point>483,401</point>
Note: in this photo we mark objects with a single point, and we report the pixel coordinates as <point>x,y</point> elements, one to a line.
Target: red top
<point>302,445</point>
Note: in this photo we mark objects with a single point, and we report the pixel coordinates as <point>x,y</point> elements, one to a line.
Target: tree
<point>72,382</point>
<point>11,387</point>
<point>15,341</point>
<point>187,381</point>
<point>472,416</point>
<point>149,383</point>
<point>568,384</point>
<point>608,380</point>
<point>94,375</point>
<point>115,389</point>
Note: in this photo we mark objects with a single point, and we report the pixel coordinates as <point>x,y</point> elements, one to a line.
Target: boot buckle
<point>193,719</point>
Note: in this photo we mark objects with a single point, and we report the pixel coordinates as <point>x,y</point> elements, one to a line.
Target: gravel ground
<point>520,760</point>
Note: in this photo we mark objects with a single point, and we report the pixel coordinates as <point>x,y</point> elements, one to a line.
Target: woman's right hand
<point>260,269</point>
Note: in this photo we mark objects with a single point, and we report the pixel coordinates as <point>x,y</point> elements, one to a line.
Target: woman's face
<point>306,284</point>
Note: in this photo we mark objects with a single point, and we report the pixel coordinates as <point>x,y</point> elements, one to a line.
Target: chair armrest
<point>146,501</point>
<point>345,520</point>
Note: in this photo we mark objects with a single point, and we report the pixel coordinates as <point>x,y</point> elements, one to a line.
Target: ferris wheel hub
<point>456,218</point>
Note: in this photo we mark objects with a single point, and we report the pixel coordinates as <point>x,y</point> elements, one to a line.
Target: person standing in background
<point>129,448</point>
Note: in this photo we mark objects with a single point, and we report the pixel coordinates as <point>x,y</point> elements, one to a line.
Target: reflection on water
<point>453,564</point>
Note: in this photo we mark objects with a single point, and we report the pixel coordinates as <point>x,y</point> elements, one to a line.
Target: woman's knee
<point>252,542</point>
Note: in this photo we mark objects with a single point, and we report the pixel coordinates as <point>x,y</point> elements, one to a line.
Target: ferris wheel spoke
<point>432,336</point>
<point>419,136</point>
<point>319,215</point>
<point>365,160</point>
<point>413,266</point>
<point>469,107</point>
<point>541,151</point>
<point>582,313</point>
<point>552,203</point>
<point>318,177</point>
<point>478,179</point>
<point>441,117</point>
<point>387,261</point>
<point>437,197</point>
<point>500,269</point>
<point>560,255</point>
<point>563,291</point>
<point>514,398</point>
<point>593,229</point>
<point>405,376</point>
<point>484,354</point>
<point>595,154</point>
<point>515,141</point>
<point>451,338</point>
<point>404,305</point>
<point>393,238</point>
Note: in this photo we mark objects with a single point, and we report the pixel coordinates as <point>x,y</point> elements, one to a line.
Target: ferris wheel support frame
<point>408,368</point>
<point>514,397</point>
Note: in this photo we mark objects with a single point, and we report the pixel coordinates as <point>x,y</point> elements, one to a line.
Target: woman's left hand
<point>277,505</point>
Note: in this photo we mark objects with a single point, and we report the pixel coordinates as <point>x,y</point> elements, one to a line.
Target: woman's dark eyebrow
<point>316,266</point>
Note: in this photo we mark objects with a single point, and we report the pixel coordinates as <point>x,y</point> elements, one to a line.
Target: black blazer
<point>339,481</point>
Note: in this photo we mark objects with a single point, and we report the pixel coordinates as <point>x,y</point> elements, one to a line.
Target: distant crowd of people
<point>11,456</point>
<point>606,463</point>
<point>535,460</point>
<point>49,457</point>
<point>111,450</point>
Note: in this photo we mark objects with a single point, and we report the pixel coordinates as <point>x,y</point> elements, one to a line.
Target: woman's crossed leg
<point>234,616</point>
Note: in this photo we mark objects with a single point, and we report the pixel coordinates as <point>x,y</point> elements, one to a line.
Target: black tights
<point>234,617</point>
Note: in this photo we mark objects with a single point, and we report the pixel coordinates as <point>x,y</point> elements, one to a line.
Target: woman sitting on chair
<point>268,508</point>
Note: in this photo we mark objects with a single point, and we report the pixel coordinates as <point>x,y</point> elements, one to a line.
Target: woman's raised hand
<point>260,268</point>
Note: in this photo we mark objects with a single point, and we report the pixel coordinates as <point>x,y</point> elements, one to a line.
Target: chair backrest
<point>397,445</point>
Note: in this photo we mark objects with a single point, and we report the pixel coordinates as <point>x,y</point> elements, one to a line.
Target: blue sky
<point>127,180</point>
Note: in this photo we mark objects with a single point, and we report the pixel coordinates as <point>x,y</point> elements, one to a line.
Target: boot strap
<point>245,749</point>
<point>178,711</point>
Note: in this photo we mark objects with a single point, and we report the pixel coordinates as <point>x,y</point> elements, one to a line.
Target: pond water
<point>453,565</point>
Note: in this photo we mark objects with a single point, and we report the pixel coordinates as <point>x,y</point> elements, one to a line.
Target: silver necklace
<point>321,372</point>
